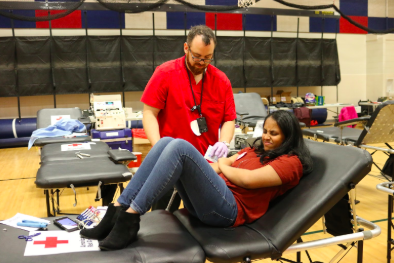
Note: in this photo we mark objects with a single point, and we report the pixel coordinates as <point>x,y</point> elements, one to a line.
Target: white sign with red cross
<point>58,242</point>
<point>56,118</point>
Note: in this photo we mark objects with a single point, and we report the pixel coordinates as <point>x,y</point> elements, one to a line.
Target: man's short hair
<point>201,30</point>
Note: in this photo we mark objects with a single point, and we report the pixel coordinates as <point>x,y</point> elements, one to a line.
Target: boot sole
<point>112,249</point>
<point>88,237</point>
<point>99,239</point>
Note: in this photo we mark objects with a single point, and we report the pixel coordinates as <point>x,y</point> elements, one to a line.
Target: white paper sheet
<point>19,217</point>
<point>75,147</point>
<point>258,130</point>
<point>213,159</point>
<point>58,242</point>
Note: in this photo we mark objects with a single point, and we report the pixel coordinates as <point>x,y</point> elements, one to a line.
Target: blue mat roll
<point>13,128</point>
<point>12,142</point>
<point>134,124</point>
<point>320,115</point>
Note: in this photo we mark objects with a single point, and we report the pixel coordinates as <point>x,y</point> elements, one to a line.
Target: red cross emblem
<point>50,242</point>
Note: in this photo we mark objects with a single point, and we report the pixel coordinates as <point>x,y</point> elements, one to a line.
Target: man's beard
<point>195,70</point>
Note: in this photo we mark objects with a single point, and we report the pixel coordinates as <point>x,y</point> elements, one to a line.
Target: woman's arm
<point>228,161</point>
<point>251,179</point>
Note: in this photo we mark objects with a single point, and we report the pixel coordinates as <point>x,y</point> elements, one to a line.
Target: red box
<point>135,163</point>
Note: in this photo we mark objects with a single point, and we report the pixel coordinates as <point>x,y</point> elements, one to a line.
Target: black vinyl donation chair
<point>336,171</point>
<point>378,129</point>
<point>44,119</point>
<point>249,108</point>
<point>181,238</point>
<point>97,166</point>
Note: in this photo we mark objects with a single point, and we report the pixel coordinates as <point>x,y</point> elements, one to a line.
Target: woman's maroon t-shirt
<point>253,203</point>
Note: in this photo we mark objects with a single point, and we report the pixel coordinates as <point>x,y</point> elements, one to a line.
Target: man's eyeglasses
<point>198,60</point>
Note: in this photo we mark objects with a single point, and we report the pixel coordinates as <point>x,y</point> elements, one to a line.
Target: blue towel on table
<point>60,128</point>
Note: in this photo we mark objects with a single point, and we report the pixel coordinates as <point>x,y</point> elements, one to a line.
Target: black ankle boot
<point>105,226</point>
<point>124,232</point>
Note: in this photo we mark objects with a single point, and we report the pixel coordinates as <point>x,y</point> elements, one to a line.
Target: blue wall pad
<point>354,7</point>
<point>103,19</point>
<point>221,2</point>
<point>5,22</point>
<point>259,22</point>
<point>391,23</point>
<point>176,20</point>
<point>377,23</point>
<point>331,25</point>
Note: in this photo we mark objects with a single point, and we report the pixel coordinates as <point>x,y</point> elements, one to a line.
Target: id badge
<point>199,126</point>
<point>202,124</point>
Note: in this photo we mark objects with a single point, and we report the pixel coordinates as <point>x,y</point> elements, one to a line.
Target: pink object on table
<point>348,113</point>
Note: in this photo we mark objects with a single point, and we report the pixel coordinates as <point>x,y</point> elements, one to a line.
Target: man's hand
<point>220,150</point>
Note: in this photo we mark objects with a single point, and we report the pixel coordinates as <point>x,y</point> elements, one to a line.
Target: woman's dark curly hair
<point>293,143</point>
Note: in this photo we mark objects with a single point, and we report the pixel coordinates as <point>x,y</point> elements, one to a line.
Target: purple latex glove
<point>219,149</point>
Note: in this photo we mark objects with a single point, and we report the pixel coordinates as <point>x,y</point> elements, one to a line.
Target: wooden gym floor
<point>19,194</point>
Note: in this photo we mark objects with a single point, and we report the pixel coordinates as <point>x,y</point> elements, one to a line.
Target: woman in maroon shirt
<point>231,192</point>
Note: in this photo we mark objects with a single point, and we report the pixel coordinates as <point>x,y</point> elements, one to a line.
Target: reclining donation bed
<point>96,165</point>
<point>47,117</point>
<point>178,237</point>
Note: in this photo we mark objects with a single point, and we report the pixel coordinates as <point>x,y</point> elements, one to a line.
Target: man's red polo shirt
<point>169,90</point>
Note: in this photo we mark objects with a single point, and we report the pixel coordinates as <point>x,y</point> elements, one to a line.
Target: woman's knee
<point>167,139</point>
<point>180,144</point>
<point>163,142</point>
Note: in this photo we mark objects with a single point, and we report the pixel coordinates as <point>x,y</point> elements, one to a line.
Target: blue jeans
<point>175,162</point>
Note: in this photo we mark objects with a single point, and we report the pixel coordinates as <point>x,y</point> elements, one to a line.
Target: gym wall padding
<point>309,62</point>
<point>168,48</point>
<point>137,57</point>
<point>7,61</point>
<point>228,58</point>
<point>65,64</point>
<point>284,61</point>
<point>257,62</point>
<point>33,66</point>
<point>69,63</point>
<point>104,63</point>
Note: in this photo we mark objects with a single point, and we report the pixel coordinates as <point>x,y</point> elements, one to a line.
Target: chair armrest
<point>255,117</point>
<point>85,120</point>
<point>352,121</point>
<point>242,113</point>
<point>122,155</point>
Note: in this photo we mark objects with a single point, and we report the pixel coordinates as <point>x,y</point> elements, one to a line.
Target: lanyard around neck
<point>198,107</point>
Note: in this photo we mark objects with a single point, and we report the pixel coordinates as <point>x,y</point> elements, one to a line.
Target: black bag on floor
<point>388,166</point>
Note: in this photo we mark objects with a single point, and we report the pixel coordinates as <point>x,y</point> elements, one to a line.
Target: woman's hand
<point>223,162</point>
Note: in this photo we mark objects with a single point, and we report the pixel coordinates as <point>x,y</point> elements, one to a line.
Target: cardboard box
<point>285,97</point>
<point>280,96</point>
<point>141,145</point>
<point>274,99</point>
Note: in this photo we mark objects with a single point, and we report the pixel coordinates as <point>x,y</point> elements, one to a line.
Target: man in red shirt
<point>188,98</point>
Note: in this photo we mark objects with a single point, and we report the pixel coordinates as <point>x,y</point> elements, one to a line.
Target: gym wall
<point>352,43</point>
